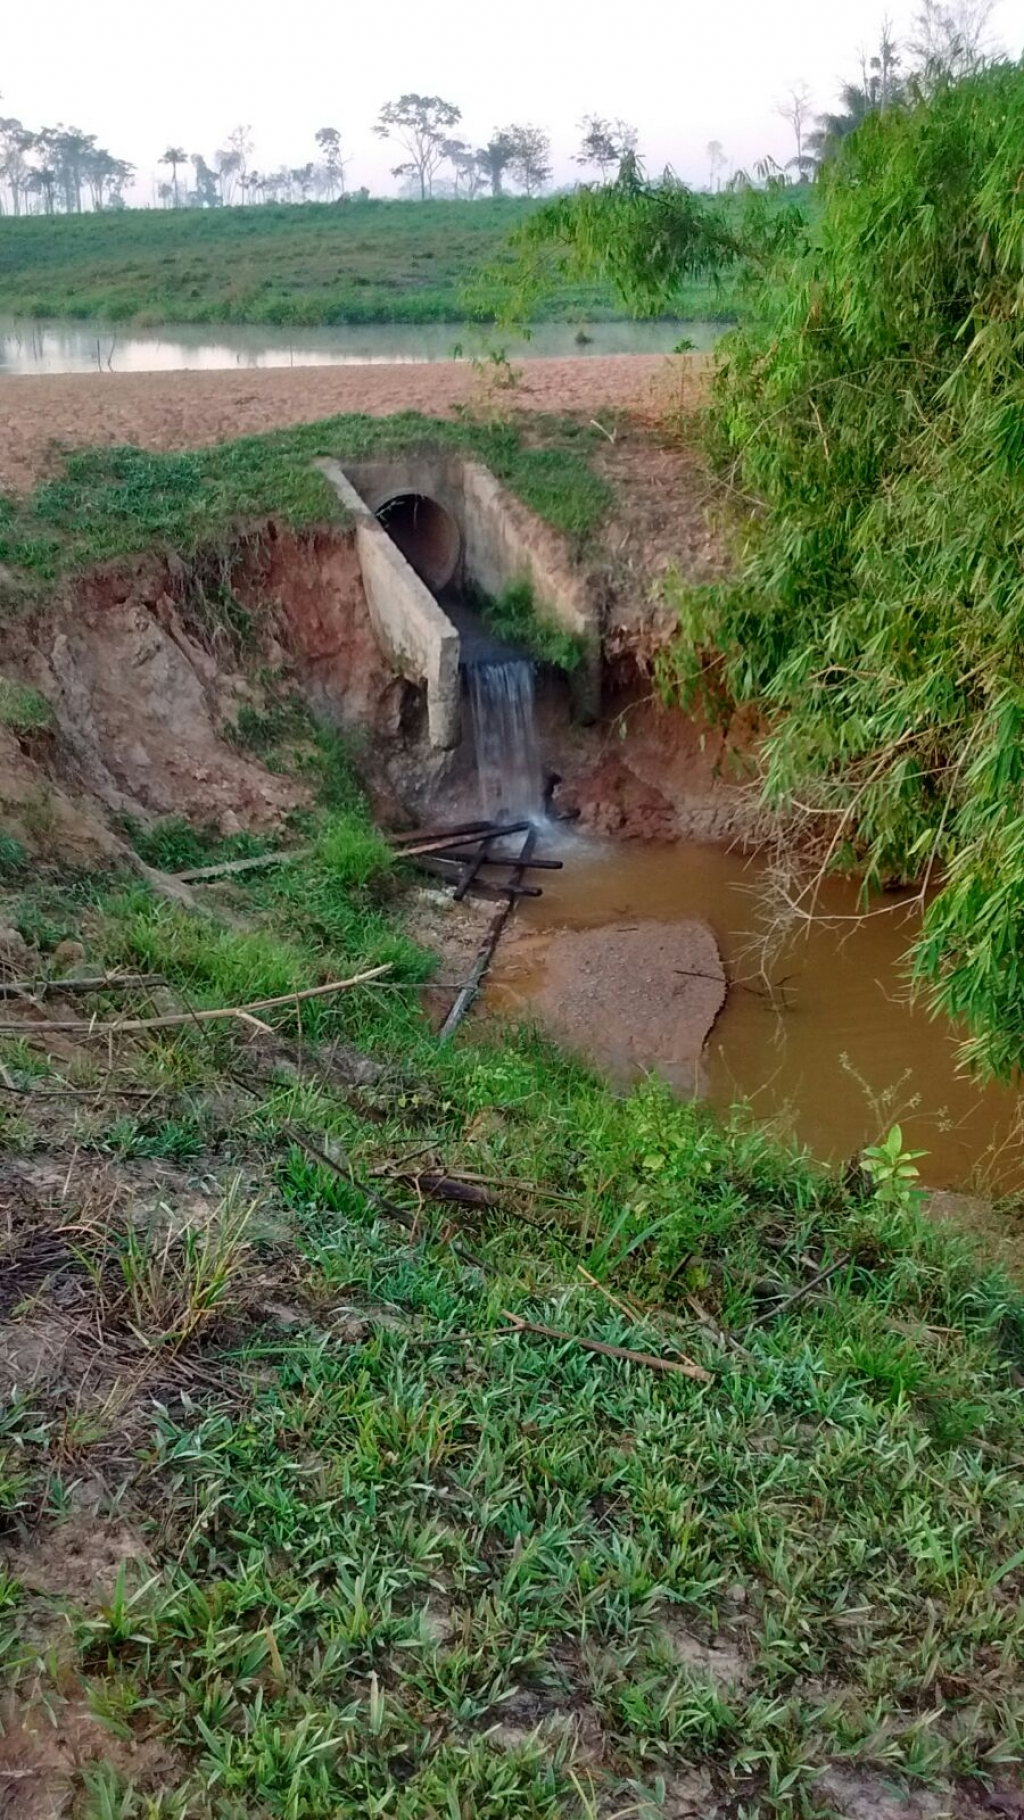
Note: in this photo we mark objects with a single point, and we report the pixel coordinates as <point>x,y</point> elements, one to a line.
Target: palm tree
<point>174,155</point>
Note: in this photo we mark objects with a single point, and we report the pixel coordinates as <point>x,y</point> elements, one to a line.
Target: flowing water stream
<point>501,699</point>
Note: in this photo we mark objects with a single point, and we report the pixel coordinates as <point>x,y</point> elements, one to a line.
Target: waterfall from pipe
<point>505,736</point>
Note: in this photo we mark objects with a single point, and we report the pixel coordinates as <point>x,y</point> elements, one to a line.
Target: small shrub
<point>13,858</point>
<point>352,854</point>
<point>261,730</point>
<point>178,1139</point>
<point>175,845</point>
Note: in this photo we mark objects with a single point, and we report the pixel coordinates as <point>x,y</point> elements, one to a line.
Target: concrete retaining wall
<point>413,632</point>
<point>506,543</point>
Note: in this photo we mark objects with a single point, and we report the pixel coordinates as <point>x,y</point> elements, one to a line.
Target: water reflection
<point>832,1050</point>
<point>81,347</point>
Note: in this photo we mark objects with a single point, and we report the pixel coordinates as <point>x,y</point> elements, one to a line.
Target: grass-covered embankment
<point>399,1557</point>
<point>110,503</point>
<point>302,266</point>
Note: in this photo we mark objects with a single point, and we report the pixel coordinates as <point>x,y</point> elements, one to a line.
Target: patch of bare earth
<point>146,690</point>
<point>79,1560</point>
<point>636,996</point>
<point>663,524</point>
<point>46,1746</point>
<point>192,410</point>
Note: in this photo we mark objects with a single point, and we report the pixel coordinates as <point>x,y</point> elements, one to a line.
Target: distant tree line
<point>57,168</point>
<point>63,170</point>
<point>229,177</point>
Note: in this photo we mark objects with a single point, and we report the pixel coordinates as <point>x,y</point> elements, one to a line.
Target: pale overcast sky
<point>141,76</point>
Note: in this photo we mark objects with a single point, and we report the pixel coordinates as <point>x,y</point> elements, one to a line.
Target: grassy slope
<point>303,265</point>
<point>382,1534</point>
<point>108,503</point>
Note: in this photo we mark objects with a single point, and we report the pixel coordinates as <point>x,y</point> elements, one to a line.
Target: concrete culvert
<point>426,534</point>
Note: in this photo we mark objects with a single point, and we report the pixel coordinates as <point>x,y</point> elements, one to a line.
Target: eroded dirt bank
<point>156,691</point>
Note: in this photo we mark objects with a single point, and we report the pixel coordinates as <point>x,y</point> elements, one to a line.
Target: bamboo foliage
<point>873,412</point>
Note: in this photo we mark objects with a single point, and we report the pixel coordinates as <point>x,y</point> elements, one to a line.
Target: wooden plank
<point>478,972</point>
<point>229,868</point>
<point>470,871</point>
<point>442,843</point>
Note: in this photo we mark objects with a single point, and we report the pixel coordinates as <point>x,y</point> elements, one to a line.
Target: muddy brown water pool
<point>839,1054</point>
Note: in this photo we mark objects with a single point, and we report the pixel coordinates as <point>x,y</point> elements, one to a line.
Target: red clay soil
<point>189,410</point>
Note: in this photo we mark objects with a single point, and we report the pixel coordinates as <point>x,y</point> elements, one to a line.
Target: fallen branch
<point>485,955</point>
<point>447,1188</point>
<point>105,982</point>
<point>806,1289</point>
<point>346,1173</point>
<point>650,1359</point>
<point>228,868</point>
<point>89,1027</point>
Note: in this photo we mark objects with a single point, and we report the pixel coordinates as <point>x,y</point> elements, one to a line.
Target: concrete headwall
<point>413,632</point>
<point>503,543</point>
<point>434,473</point>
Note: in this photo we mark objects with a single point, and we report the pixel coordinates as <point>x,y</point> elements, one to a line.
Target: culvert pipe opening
<point>426,534</point>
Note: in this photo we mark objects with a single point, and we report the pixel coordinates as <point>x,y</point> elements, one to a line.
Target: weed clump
<point>874,410</point>
<point>516,616</point>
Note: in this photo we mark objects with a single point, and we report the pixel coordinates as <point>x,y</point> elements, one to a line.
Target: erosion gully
<point>832,1051</point>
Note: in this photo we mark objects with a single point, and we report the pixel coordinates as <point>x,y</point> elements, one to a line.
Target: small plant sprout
<point>894,1170</point>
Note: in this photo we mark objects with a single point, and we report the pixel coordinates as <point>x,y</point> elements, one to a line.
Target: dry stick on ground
<point>487,948</point>
<point>86,1093</point>
<point>631,1310</point>
<point>387,1208</point>
<point>718,1333</point>
<point>104,982</point>
<point>806,1289</point>
<point>650,1359</point>
<point>89,1027</point>
<point>227,868</point>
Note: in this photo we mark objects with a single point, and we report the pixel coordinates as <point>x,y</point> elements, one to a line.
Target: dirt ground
<point>188,410</point>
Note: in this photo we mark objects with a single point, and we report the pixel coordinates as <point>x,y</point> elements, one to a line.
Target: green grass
<point>300,266</point>
<point>110,503</point>
<point>22,708</point>
<point>514,615</point>
<point>404,1562</point>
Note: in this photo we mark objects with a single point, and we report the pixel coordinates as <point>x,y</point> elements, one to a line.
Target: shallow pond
<point>28,347</point>
<point>835,1053</point>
